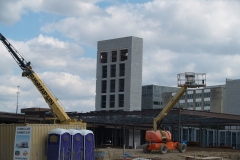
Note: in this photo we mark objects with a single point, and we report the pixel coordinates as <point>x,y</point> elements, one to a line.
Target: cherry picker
<point>161,140</point>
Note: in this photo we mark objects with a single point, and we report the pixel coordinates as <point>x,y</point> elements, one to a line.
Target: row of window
<point>197,95</point>
<point>113,70</point>
<point>114,58</point>
<point>112,101</point>
<point>197,104</point>
<point>113,86</point>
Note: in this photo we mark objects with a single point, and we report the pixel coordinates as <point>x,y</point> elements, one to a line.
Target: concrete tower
<point>119,74</point>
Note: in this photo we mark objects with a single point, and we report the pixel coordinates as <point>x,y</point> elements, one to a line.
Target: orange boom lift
<point>161,140</point>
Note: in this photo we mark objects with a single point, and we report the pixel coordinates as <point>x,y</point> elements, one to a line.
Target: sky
<point>60,39</point>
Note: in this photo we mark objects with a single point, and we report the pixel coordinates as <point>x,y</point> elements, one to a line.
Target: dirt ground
<point>200,153</point>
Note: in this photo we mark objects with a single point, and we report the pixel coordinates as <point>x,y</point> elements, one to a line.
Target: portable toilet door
<point>58,144</point>
<point>89,144</point>
<point>76,145</point>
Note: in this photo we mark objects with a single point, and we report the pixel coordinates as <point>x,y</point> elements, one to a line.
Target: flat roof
<point>175,117</point>
<point>143,119</point>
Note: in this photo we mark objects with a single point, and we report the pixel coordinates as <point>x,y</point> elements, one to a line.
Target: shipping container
<point>39,134</point>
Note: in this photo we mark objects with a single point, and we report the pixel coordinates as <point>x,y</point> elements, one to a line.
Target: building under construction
<point>118,128</point>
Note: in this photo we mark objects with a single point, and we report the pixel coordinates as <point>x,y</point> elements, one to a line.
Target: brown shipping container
<point>38,138</point>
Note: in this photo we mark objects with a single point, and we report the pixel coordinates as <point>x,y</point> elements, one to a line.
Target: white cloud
<point>190,26</point>
<point>11,11</point>
<point>72,8</point>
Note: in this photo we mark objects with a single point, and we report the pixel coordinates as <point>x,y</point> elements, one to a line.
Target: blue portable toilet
<point>76,145</point>
<point>88,143</point>
<point>58,144</point>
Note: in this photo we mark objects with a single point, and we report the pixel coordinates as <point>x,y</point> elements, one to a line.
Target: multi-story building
<point>152,96</point>
<point>119,74</point>
<point>204,99</point>
<point>219,98</point>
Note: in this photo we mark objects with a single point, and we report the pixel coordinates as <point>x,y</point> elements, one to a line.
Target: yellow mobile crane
<point>160,140</point>
<point>28,72</point>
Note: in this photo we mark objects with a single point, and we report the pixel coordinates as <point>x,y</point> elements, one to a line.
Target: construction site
<point>120,128</point>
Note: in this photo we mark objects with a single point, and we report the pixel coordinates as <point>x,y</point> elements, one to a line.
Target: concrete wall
<point>232,97</point>
<point>216,103</point>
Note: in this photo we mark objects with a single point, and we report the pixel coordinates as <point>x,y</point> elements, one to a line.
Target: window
<point>189,104</point>
<point>112,101</point>
<point>198,108</point>
<point>198,104</point>
<point>103,57</point>
<point>121,70</point>
<point>123,55</point>
<point>112,85</point>
<point>121,100</point>
<point>181,105</point>
<point>113,70</point>
<point>104,71</point>
<point>182,101</point>
<point>149,87</point>
<point>198,95</point>
<point>104,86</point>
<point>189,96</point>
<point>183,96</point>
<point>156,103</point>
<point>121,85</point>
<point>114,56</point>
<point>206,94</point>
<point>206,103</point>
<point>199,91</point>
<point>103,101</point>
<point>207,108</point>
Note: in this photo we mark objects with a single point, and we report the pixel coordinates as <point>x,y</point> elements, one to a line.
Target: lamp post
<point>17,99</point>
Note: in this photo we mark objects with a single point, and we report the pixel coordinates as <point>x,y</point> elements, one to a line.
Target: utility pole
<point>17,99</point>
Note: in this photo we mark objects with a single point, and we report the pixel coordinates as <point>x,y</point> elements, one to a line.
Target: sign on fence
<point>22,143</point>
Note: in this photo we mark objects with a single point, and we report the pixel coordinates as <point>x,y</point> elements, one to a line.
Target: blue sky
<point>30,26</point>
<point>60,39</point>
<point>30,23</point>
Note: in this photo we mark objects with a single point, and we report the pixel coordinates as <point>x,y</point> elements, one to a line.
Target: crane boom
<point>49,98</point>
<point>23,64</point>
<point>168,107</point>
<point>28,72</point>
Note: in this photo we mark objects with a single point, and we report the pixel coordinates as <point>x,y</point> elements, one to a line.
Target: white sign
<point>22,143</point>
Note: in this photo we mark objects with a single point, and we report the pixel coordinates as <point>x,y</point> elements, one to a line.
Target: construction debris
<point>200,157</point>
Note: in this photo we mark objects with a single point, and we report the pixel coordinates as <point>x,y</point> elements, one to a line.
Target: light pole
<point>17,99</point>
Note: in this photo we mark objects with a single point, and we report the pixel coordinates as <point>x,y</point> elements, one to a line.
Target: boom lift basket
<point>191,79</point>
